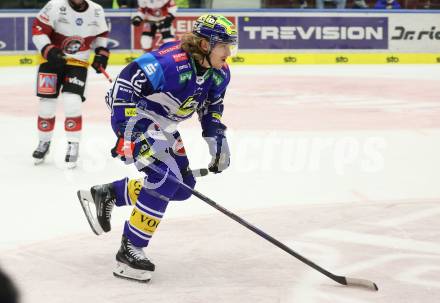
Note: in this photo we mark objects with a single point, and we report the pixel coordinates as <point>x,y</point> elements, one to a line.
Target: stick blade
<point>362,283</point>
<point>200,172</point>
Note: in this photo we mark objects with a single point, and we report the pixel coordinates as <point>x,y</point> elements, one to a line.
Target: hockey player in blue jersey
<point>148,99</point>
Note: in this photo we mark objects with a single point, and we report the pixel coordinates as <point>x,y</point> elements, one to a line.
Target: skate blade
<point>38,161</point>
<point>126,272</point>
<point>71,165</point>
<point>85,198</point>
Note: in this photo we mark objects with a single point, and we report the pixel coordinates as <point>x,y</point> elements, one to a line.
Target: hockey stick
<point>340,279</point>
<point>104,72</point>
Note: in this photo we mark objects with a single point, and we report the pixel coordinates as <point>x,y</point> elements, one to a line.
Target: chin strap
<point>208,59</point>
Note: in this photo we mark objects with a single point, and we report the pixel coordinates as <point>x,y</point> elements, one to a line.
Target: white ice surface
<point>358,202</point>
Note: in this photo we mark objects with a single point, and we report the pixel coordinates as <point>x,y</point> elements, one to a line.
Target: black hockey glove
<point>136,20</point>
<point>101,59</point>
<point>53,55</point>
<point>165,23</point>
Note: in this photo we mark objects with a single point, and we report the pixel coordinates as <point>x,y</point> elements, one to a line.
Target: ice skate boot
<point>41,152</point>
<point>102,198</point>
<point>72,154</point>
<point>132,263</point>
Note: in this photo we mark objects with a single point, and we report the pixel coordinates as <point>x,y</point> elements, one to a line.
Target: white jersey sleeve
<point>40,35</point>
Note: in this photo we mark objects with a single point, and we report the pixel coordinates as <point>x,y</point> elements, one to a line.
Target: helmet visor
<point>230,40</point>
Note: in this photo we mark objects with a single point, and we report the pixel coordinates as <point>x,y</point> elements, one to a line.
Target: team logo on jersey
<point>79,21</point>
<point>188,107</point>
<point>72,45</point>
<point>47,83</point>
<point>200,80</point>
<point>180,57</point>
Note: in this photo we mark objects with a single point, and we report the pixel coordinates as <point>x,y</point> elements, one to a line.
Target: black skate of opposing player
<point>41,152</point>
<point>131,261</point>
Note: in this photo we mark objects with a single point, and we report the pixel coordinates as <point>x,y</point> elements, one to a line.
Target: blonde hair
<point>192,45</point>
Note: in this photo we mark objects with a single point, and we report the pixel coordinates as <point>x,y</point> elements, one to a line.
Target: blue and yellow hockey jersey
<point>165,83</point>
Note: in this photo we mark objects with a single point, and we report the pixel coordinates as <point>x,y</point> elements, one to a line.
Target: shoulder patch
<point>152,68</point>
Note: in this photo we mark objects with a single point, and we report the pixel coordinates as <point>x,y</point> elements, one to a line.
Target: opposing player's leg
<point>74,83</point>
<point>147,37</point>
<point>167,34</point>
<point>48,86</point>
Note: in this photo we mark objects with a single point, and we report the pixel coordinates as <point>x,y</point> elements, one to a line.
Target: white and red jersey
<point>76,33</point>
<point>156,10</point>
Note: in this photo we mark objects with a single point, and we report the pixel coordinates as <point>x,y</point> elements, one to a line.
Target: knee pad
<point>46,117</point>
<point>47,108</point>
<point>72,104</point>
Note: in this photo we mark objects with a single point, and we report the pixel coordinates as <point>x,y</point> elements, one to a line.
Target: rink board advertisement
<point>11,33</point>
<point>269,37</point>
<point>182,24</point>
<point>313,33</point>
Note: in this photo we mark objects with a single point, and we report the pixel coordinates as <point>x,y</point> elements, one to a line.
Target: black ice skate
<point>132,263</point>
<point>103,198</point>
<point>41,152</point>
<point>72,154</point>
